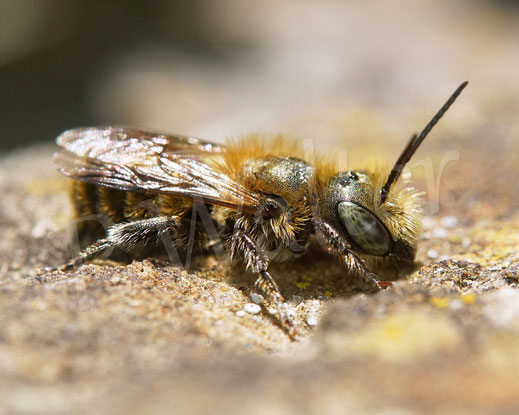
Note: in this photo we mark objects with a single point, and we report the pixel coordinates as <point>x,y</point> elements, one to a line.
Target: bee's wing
<point>140,161</point>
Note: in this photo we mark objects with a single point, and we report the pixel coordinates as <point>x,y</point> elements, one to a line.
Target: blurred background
<point>328,70</point>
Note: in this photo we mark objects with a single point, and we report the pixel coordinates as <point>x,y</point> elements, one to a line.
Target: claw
<point>373,280</point>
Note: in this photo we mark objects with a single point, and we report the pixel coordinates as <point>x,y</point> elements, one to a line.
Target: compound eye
<point>364,228</point>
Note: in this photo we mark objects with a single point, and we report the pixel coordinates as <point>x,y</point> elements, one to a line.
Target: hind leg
<point>126,236</point>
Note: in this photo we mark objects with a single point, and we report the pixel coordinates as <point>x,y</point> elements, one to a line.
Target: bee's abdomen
<point>118,205</point>
<point>84,198</point>
<point>97,207</point>
<point>90,200</point>
<point>85,201</point>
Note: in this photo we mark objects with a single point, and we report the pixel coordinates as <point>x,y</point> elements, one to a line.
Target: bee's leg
<point>342,247</point>
<point>125,236</point>
<point>257,262</point>
<point>358,265</point>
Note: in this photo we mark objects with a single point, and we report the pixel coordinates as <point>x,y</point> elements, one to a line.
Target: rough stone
<point>153,337</point>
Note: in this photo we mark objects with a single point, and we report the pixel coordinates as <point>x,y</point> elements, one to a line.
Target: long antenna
<point>415,142</point>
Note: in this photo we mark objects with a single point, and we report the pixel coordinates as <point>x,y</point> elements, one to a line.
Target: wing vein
<point>141,161</point>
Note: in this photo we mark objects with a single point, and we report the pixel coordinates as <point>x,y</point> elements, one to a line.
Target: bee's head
<point>371,214</point>
<point>351,204</point>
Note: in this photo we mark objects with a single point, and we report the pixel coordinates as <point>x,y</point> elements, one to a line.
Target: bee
<point>262,199</point>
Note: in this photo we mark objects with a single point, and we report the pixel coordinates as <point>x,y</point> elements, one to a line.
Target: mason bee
<point>262,199</point>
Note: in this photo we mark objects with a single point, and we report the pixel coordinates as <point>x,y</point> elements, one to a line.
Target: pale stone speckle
<point>449,222</point>
<point>432,253</point>
<point>252,308</point>
<point>257,298</point>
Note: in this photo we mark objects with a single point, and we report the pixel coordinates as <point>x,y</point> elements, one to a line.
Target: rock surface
<point>151,337</point>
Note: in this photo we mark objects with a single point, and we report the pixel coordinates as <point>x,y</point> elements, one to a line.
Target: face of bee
<point>351,204</point>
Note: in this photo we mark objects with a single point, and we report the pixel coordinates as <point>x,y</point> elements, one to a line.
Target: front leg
<point>256,261</point>
<point>342,247</point>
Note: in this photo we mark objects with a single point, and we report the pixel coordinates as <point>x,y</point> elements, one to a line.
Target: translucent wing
<point>140,161</point>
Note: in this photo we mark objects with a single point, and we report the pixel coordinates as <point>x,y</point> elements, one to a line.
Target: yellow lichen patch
<point>401,337</point>
<point>440,302</point>
<point>468,298</point>
<point>304,282</point>
<point>492,242</point>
